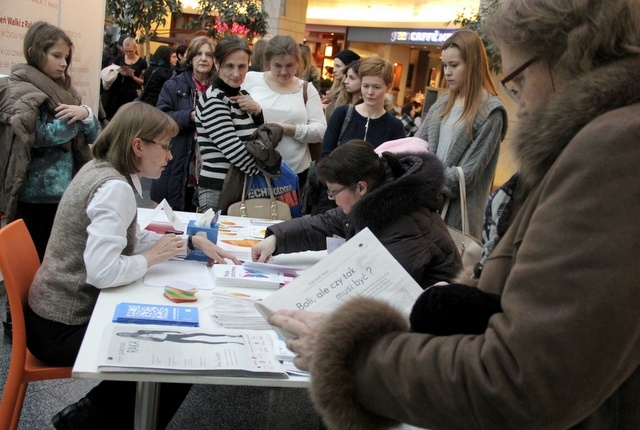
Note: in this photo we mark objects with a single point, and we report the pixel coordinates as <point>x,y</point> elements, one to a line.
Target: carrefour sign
<point>429,36</point>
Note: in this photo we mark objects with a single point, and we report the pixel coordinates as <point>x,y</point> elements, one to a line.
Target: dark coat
<point>177,99</point>
<point>401,213</point>
<point>154,78</point>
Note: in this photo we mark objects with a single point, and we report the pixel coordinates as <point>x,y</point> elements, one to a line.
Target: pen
<point>174,232</point>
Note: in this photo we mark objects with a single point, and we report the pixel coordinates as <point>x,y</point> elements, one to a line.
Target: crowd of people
<point>556,347</point>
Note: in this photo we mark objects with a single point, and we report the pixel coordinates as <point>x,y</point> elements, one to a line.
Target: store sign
<point>429,36</point>
<point>425,36</point>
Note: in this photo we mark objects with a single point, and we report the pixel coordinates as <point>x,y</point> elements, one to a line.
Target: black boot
<point>81,415</point>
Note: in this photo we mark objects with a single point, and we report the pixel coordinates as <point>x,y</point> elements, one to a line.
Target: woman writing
<point>465,127</point>
<point>396,198</point>
<point>97,244</point>
<point>281,95</point>
<point>178,98</point>
<point>52,132</point>
<point>226,117</point>
<point>564,351</point>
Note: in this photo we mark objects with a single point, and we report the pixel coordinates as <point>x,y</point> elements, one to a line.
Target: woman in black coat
<point>397,198</point>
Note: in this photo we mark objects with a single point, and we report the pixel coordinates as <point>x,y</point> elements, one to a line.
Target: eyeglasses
<point>510,89</point>
<point>333,193</point>
<point>164,146</point>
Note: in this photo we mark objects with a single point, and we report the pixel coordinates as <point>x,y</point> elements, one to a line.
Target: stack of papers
<point>228,275</point>
<point>237,311</point>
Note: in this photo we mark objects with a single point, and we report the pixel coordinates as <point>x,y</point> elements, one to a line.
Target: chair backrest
<point>19,262</point>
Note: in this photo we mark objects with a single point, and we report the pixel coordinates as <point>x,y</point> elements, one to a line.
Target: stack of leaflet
<point>254,275</point>
<point>144,313</point>
<point>237,310</point>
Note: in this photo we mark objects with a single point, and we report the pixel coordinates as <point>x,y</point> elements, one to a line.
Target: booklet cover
<point>141,313</point>
<point>229,275</point>
<point>128,348</point>
<point>360,267</point>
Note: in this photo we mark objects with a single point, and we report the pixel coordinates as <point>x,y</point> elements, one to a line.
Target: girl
<point>52,132</point>
<point>465,127</point>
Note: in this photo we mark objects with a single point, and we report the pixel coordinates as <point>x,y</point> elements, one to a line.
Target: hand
<point>71,113</point>
<point>168,246</point>
<point>304,326</point>
<point>263,250</point>
<point>247,104</point>
<point>213,251</point>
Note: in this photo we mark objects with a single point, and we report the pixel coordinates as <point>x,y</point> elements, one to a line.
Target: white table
<point>86,365</point>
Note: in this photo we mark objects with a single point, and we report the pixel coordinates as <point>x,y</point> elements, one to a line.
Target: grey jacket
<point>477,155</point>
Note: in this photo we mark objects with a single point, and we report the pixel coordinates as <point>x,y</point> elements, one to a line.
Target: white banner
<point>83,21</point>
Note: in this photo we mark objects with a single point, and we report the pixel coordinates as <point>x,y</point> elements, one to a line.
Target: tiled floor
<point>206,406</point>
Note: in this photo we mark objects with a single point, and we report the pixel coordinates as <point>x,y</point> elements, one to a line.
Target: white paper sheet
<point>193,272</point>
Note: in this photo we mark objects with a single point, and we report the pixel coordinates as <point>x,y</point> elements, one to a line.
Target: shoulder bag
<point>468,246</point>
<point>261,207</point>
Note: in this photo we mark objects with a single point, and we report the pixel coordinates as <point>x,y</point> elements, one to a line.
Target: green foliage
<point>222,17</point>
<point>141,17</point>
<point>472,19</point>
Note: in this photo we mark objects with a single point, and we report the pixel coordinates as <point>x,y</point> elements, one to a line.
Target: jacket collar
<point>542,138</point>
<point>24,73</point>
<point>418,187</point>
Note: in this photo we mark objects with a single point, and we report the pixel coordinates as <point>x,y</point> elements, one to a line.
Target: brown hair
<point>282,45</point>
<point>134,119</point>
<point>376,66</point>
<point>477,78</point>
<point>228,45</point>
<point>38,39</point>
<point>193,49</point>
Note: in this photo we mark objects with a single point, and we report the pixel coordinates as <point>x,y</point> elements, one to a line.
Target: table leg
<point>146,405</point>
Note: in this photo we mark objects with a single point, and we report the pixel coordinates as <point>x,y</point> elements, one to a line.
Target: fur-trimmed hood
<point>419,186</point>
<point>542,138</point>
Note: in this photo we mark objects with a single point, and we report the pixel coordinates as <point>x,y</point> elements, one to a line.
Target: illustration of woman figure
<point>180,337</point>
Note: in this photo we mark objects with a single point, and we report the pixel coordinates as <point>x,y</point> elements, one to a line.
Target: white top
<point>290,108</point>
<point>111,211</point>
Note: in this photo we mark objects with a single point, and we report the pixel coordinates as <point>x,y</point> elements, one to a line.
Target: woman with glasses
<point>396,197</point>
<point>465,127</point>
<point>564,352</point>
<point>130,78</point>
<point>96,244</point>
<point>178,97</point>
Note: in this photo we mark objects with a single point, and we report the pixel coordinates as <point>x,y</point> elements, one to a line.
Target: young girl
<point>465,127</point>
<point>52,132</point>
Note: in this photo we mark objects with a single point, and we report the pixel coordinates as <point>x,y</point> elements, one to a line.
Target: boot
<point>81,415</point>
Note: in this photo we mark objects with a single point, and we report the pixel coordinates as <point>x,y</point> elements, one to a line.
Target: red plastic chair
<point>18,263</point>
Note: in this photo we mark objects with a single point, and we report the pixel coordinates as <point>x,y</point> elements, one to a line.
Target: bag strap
<point>463,202</point>
<point>304,92</point>
<point>347,120</point>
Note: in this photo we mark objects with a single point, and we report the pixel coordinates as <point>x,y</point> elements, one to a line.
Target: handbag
<point>261,207</point>
<point>468,246</point>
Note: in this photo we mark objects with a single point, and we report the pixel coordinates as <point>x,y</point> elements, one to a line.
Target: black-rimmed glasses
<point>510,89</point>
<point>164,146</point>
<point>333,193</point>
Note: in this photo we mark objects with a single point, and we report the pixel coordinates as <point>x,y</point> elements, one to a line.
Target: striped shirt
<point>223,130</point>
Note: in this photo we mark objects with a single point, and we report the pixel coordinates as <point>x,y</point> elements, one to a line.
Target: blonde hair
<point>477,77</point>
<point>135,119</point>
<point>376,66</point>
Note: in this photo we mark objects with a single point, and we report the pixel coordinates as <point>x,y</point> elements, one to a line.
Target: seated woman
<point>395,197</point>
<point>96,243</point>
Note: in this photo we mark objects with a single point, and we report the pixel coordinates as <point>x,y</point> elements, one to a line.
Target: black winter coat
<point>402,213</point>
